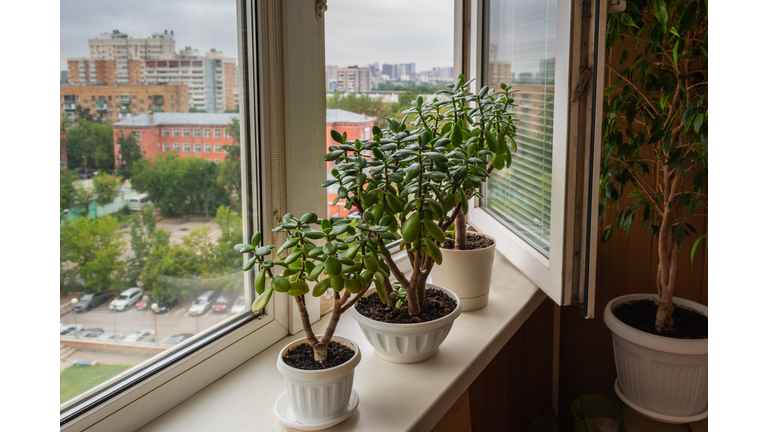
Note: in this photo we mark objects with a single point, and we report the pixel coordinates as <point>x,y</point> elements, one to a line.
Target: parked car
<point>223,303</point>
<point>82,173</point>
<point>239,305</point>
<point>126,299</point>
<point>90,300</point>
<point>111,336</point>
<point>144,302</point>
<point>203,303</point>
<point>165,306</point>
<point>179,338</point>
<point>92,332</point>
<point>141,336</point>
<point>69,330</point>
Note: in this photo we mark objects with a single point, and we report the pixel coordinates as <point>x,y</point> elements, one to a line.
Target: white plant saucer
<point>656,416</point>
<point>284,413</point>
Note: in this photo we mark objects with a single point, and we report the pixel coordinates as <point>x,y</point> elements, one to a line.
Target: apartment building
<point>118,102</point>
<point>116,59</point>
<point>202,135</point>
<point>354,80</point>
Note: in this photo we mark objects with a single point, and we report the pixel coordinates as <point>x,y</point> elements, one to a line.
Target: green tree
<point>179,186</point>
<point>90,255</point>
<point>145,238</point>
<point>90,145</point>
<point>130,152</point>
<point>65,123</point>
<point>67,188</point>
<point>196,110</point>
<point>229,176</point>
<point>364,104</point>
<point>233,110</point>
<point>106,188</point>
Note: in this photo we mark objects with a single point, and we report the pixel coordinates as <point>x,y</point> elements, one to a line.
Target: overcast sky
<point>358,32</point>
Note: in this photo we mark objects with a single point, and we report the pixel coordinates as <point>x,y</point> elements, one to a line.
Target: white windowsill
<point>244,398</point>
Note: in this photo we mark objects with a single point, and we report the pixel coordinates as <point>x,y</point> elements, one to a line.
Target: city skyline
<point>205,24</point>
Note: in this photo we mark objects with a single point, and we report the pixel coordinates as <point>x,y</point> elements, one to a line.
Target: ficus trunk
<point>668,253</point>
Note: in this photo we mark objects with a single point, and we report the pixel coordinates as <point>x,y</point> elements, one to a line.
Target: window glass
<point>217,133</point>
<point>207,133</point>
<point>519,50</point>
<point>161,220</point>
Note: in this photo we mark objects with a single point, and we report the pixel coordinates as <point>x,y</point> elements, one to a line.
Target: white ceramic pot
<point>467,273</point>
<point>319,396</point>
<point>408,343</point>
<point>664,376</point>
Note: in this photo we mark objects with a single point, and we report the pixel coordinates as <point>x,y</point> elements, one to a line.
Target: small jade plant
<point>418,182</point>
<point>346,260</point>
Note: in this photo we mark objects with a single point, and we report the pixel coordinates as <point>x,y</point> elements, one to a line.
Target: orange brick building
<point>123,101</point>
<point>202,135</point>
<point>357,126</point>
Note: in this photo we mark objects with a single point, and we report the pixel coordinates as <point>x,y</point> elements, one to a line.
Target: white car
<point>141,336</point>
<point>126,299</point>
<point>239,306</point>
<point>203,303</point>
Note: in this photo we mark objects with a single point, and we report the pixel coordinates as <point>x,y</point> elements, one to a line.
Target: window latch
<point>581,86</point>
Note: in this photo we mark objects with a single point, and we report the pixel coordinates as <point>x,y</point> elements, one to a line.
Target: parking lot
<point>176,321</point>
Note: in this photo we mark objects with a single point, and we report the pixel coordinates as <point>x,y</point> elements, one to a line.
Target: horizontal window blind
<point>519,50</point>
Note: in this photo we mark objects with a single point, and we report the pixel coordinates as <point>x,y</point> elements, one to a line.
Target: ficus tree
<point>418,182</point>
<point>347,262</point>
<point>655,131</point>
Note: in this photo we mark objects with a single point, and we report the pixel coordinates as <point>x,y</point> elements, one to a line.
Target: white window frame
<point>553,274</point>
<point>206,133</point>
<point>217,133</point>
<point>177,147</point>
<point>166,147</point>
<point>198,148</point>
<point>270,134</point>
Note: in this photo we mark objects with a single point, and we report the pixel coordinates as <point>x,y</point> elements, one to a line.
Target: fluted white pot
<point>467,273</point>
<point>407,343</point>
<point>319,396</point>
<point>667,377</point>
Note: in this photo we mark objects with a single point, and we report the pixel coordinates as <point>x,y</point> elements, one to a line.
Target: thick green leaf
<point>321,287</point>
<point>247,266</point>
<point>262,300</point>
<point>410,229</point>
<point>337,137</point>
<point>298,288</point>
<point>255,239</point>
<point>434,251</point>
<point>259,281</point>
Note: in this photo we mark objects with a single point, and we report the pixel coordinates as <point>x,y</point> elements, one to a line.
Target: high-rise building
<point>354,80</point>
<point>116,59</point>
<point>331,77</point>
<point>410,69</point>
<point>123,101</point>
<point>63,77</point>
<point>388,70</point>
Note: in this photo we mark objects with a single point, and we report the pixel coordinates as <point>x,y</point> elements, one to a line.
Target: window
<point>241,336</point>
<point>226,133</point>
<point>166,147</point>
<point>185,132</point>
<point>217,133</point>
<point>527,45</point>
<point>134,106</point>
<point>141,110</point>
<point>217,148</point>
<point>165,132</point>
<point>175,132</point>
<point>176,147</point>
<point>206,133</point>
<point>196,133</point>
<point>197,148</point>
<point>137,135</point>
<point>207,148</point>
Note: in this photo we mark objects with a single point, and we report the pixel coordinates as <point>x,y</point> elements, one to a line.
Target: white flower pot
<point>318,396</point>
<point>467,273</point>
<point>663,377</point>
<point>408,343</point>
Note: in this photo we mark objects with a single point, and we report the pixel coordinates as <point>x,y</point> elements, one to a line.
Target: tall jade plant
<point>655,130</point>
<point>417,182</point>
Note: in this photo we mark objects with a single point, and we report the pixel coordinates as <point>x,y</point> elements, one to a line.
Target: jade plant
<point>347,261</point>
<point>416,183</point>
<point>655,131</point>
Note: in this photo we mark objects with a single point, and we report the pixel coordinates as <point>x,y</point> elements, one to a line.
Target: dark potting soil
<point>474,241</point>
<point>641,314</point>
<point>437,305</point>
<point>303,357</point>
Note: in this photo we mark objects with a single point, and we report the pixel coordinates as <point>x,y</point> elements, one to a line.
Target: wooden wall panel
<point>517,383</point>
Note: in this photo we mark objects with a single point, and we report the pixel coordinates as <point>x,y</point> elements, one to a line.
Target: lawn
<point>78,379</point>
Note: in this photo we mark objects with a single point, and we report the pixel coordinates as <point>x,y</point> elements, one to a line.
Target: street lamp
<point>74,312</point>
<point>154,308</point>
<point>114,317</point>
